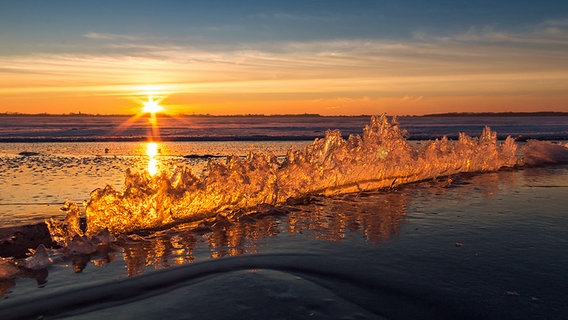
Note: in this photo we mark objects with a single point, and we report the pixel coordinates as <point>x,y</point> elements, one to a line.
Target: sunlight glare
<point>152,106</point>
<point>152,152</point>
<point>152,167</point>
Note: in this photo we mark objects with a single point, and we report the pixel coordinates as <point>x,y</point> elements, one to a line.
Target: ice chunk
<point>39,259</point>
<point>63,231</point>
<point>80,245</point>
<point>537,153</point>
<point>8,269</point>
<point>380,157</point>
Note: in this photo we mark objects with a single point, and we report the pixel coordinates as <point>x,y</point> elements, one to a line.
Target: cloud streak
<point>109,36</point>
<point>485,62</point>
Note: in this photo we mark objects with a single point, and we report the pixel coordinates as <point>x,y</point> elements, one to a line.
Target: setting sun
<point>152,106</point>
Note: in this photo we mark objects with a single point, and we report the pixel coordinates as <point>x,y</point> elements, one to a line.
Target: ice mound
<point>37,259</point>
<point>380,157</point>
<point>538,153</point>
<point>8,268</point>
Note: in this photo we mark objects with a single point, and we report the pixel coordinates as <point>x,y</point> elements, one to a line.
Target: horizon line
<point>457,114</point>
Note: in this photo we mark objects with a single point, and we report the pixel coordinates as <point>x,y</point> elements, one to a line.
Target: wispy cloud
<point>109,36</point>
<point>550,32</point>
<point>296,17</point>
<point>484,62</point>
<point>412,98</point>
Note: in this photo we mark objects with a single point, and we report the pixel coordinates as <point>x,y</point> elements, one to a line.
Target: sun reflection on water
<point>152,151</point>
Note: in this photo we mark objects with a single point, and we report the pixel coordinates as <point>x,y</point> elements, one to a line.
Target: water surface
<point>469,246</point>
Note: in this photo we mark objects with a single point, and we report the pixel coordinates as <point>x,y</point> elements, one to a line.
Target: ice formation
<point>380,157</point>
<point>538,153</point>
<point>8,268</point>
<point>38,260</point>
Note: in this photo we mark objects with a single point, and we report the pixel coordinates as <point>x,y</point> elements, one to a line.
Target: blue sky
<point>51,23</point>
<point>399,40</point>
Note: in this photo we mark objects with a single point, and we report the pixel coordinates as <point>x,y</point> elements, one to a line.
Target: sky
<point>284,57</point>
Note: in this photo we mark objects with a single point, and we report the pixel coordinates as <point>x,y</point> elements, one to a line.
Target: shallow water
<point>484,246</point>
<point>73,128</point>
<point>34,187</point>
<point>469,246</point>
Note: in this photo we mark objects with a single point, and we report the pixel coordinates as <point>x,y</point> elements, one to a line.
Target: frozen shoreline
<point>477,247</point>
<point>43,129</point>
<point>488,245</point>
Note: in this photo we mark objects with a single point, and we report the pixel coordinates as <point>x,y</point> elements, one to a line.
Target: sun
<point>152,106</point>
<point>150,109</point>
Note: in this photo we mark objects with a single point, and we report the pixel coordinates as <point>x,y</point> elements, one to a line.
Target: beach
<point>391,160</point>
<point>475,245</point>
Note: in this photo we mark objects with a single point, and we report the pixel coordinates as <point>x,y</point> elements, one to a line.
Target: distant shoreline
<point>499,114</point>
<point>302,115</point>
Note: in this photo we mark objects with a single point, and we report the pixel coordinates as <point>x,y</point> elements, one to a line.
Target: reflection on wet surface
<point>371,218</point>
<point>162,251</point>
<point>375,216</point>
<point>510,227</point>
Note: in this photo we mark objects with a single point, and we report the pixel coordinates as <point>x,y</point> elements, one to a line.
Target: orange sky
<point>346,83</point>
<point>476,70</point>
